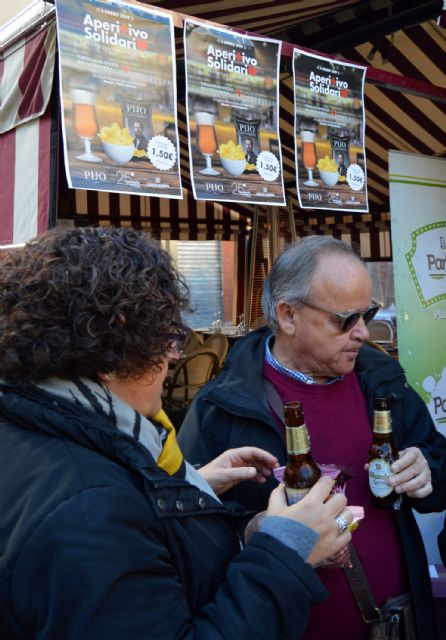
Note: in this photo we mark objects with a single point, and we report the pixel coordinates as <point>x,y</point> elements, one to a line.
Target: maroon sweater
<point>340,432</point>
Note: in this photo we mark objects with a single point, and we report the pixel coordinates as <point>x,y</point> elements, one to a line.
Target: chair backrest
<point>380,331</point>
<point>218,342</point>
<point>192,372</point>
<point>192,342</point>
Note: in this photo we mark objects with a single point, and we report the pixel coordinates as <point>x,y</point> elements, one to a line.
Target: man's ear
<point>287,318</point>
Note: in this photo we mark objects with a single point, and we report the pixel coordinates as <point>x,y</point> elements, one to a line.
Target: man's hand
<point>411,474</point>
<point>235,465</point>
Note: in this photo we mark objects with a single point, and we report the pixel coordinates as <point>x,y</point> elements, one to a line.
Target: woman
<point>105,531</point>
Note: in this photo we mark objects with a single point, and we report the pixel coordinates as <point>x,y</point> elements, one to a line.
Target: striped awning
<point>28,136</point>
<point>399,40</point>
<point>165,219</point>
<point>405,99</point>
<point>26,77</point>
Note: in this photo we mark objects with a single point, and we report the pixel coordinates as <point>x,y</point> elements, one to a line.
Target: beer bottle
<point>382,454</point>
<point>301,472</point>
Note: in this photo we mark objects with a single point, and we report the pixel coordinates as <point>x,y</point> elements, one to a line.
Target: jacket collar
<point>239,387</point>
<point>38,410</point>
<point>374,368</point>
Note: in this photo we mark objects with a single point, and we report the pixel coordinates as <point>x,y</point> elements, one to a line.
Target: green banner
<point>417,203</point>
<point>417,200</point>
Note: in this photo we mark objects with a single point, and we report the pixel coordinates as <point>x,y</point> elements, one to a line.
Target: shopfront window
<point>208,266</point>
<point>383,289</point>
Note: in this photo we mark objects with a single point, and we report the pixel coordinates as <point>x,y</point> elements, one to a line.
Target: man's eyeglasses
<point>349,319</point>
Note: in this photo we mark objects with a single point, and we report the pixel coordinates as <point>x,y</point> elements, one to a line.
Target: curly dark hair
<point>79,302</point>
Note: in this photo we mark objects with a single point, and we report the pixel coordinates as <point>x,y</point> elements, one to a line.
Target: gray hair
<point>291,274</point>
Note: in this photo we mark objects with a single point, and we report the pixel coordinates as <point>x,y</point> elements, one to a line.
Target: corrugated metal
<point>203,272</point>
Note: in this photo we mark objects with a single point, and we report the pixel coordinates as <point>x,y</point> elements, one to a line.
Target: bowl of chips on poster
<point>232,158</point>
<point>328,171</point>
<point>117,143</point>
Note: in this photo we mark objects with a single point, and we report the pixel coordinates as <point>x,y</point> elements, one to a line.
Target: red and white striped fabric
<point>26,78</point>
<point>25,188</point>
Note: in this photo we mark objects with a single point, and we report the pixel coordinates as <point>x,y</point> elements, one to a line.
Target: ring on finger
<point>342,523</point>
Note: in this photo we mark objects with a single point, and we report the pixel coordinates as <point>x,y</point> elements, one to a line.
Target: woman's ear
<point>107,377</point>
<point>287,317</point>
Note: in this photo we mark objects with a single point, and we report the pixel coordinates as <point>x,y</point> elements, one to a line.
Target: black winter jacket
<point>232,411</point>
<point>98,543</point>
<point>442,543</point>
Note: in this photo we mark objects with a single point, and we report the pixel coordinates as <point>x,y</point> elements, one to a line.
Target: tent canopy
<point>405,102</point>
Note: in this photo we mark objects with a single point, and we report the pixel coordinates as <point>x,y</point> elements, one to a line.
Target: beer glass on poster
<point>309,157</point>
<point>206,141</point>
<point>85,121</point>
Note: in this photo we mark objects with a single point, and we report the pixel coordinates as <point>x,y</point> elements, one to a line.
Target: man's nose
<point>360,331</point>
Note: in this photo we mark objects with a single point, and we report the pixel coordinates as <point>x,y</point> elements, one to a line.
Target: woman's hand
<point>318,510</point>
<point>235,465</point>
<point>338,560</point>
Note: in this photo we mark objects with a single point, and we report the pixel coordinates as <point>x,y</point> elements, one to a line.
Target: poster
<point>118,91</point>
<point>329,133</point>
<point>232,99</point>
<point>417,190</point>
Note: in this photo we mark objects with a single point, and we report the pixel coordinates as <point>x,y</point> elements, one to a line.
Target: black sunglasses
<point>349,319</point>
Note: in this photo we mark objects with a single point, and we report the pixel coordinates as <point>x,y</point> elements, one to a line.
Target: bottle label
<point>382,422</point>
<point>297,440</point>
<point>295,495</point>
<point>379,471</point>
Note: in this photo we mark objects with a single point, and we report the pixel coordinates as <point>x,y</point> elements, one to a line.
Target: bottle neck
<point>297,440</point>
<point>382,423</point>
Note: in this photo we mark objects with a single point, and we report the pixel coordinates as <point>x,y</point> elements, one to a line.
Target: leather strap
<point>361,589</point>
<point>274,400</point>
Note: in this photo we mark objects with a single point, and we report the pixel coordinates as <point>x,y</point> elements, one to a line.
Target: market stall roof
<point>405,101</point>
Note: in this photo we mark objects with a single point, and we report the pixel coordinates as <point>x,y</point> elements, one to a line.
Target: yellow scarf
<point>171,457</point>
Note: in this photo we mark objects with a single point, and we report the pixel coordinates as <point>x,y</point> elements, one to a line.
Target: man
<point>140,141</point>
<point>317,300</point>
<point>342,169</point>
<point>250,156</point>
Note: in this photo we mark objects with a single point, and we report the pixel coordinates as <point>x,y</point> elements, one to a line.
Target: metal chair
<point>380,331</point>
<point>192,342</point>
<point>377,346</point>
<point>191,373</point>
<point>217,342</point>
